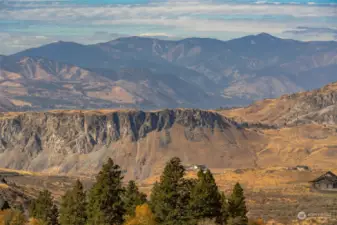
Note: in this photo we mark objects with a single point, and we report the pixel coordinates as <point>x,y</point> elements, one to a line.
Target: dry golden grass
<point>308,144</point>
<point>21,172</point>
<point>277,111</point>
<point>3,186</point>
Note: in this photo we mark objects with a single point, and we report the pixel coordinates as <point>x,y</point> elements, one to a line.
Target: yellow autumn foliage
<point>34,221</point>
<point>12,217</point>
<point>143,216</point>
<point>257,222</point>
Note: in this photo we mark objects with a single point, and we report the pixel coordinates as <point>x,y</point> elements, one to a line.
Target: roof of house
<point>329,176</point>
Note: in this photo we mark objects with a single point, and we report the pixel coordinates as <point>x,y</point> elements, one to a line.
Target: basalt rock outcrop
<point>78,142</point>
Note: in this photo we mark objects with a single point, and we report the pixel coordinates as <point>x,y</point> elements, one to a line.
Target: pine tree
<point>205,198</point>
<point>73,206</point>
<point>237,209</point>
<point>105,206</point>
<point>54,214</point>
<point>185,194</point>
<point>224,210</point>
<point>165,194</point>
<point>132,197</point>
<point>43,208</point>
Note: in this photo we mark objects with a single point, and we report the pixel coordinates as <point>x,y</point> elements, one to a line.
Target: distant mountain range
<point>152,73</point>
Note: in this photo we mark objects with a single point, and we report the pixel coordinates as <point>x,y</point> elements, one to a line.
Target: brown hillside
<point>141,142</point>
<point>78,142</point>
<point>318,106</point>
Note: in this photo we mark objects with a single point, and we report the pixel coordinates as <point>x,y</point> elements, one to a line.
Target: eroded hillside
<point>318,106</point>
<point>141,142</point>
<point>78,142</point>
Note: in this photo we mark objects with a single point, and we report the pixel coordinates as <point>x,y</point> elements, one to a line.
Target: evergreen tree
<point>132,197</point>
<point>73,206</point>
<point>185,188</point>
<point>105,206</point>
<point>155,199</point>
<point>236,221</point>
<point>237,209</point>
<point>54,214</point>
<point>224,210</point>
<point>165,194</point>
<point>43,208</point>
<point>205,200</point>
<point>19,207</point>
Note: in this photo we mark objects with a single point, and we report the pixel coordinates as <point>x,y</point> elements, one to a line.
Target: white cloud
<point>156,35</point>
<point>165,10</point>
<point>158,19</point>
<point>11,43</point>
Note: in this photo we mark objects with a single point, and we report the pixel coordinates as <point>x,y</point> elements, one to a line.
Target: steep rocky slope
<point>141,142</point>
<point>318,106</point>
<point>78,142</point>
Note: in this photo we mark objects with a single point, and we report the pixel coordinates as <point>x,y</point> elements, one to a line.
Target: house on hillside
<point>326,182</point>
<point>196,167</point>
<point>300,168</point>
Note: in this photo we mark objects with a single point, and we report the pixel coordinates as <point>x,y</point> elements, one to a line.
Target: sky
<point>31,23</point>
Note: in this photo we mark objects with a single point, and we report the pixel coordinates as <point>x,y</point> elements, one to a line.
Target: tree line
<point>174,200</point>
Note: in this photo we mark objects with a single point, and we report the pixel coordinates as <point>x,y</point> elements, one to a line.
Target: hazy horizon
<point>31,23</point>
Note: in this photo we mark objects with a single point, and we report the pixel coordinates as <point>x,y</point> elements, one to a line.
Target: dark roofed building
<point>326,182</point>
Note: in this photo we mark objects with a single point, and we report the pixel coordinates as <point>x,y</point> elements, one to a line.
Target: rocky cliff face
<point>78,142</point>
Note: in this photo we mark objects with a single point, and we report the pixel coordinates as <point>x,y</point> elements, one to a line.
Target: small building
<point>300,168</point>
<point>326,182</point>
<point>196,167</point>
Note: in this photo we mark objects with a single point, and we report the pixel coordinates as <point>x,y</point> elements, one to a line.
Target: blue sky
<point>30,23</point>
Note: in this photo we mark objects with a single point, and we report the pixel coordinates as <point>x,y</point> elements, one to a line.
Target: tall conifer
<point>132,197</point>
<point>165,194</point>
<point>237,207</point>
<point>105,206</point>
<point>205,200</point>
<point>73,206</point>
<point>44,209</point>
